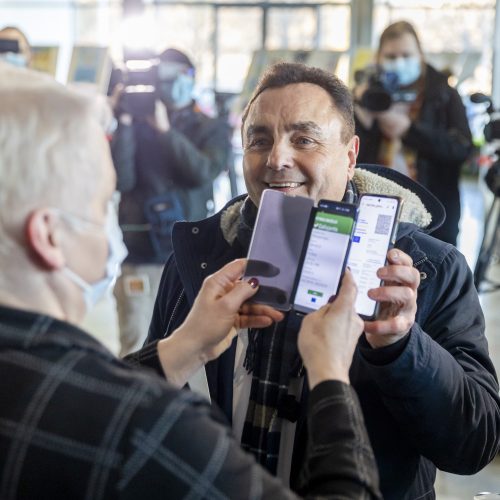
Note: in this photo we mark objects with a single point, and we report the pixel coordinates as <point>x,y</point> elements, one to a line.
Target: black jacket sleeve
<point>194,161</point>
<point>179,444</point>
<point>444,142</point>
<point>442,389</point>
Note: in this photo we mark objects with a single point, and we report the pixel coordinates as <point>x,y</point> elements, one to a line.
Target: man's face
<point>292,143</point>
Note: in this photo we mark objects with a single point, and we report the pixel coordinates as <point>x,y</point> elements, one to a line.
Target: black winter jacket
<point>183,161</point>
<point>442,140</point>
<point>431,400</point>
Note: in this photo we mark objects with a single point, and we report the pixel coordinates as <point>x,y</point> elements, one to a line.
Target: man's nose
<point>280,156</point>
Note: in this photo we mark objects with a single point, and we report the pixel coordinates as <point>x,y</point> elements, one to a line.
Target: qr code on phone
<point>383,224</point>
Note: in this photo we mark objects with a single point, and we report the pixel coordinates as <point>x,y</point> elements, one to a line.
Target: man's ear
<point>42,238</point>
<point>352,153</point>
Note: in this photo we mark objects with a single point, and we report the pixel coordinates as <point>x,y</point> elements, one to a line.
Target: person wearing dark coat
<point>427,386</point>
<point>166,165</point>
<point>428,138</point>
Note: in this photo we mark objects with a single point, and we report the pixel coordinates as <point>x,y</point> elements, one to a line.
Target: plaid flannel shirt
<point>76,422</point>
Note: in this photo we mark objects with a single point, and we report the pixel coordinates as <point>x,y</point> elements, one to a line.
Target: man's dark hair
<point>283,74</point>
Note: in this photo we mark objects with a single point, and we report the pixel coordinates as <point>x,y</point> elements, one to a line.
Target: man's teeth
<point>284,184</point>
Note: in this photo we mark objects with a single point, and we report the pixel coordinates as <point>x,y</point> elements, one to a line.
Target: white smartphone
<point>374,234</point>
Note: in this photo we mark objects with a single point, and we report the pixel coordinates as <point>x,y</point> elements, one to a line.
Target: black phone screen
<point>373,235</point>
<point>276,246</point>
<point>324,255</point>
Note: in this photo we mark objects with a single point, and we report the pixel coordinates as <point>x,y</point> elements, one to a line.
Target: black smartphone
<point>374,234</point>
<point>324,255</point>
<point>276,245</point>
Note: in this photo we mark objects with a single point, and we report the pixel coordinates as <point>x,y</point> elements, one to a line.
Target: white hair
<point>49,149</point>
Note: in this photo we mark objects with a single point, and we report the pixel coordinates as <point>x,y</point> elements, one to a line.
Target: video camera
<point>7,45</point>
<point>383,89</point>
<point>491,133</point>
<point>139,76</point>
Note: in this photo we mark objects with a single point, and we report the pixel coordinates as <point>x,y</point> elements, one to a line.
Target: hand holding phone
<point>397,298</point>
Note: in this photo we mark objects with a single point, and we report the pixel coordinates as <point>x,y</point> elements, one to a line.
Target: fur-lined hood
<point>420,207</point>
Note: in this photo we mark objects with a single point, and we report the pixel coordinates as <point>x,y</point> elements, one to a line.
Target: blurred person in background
<point>425,135</point>
<point>22,57</point>
<point>166,164</point>
<point>77,422</point>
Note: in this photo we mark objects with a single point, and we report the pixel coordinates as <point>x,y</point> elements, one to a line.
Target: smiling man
<point>427,386</point>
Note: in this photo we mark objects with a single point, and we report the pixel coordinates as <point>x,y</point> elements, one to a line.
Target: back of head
<point>283,74</point>
<point>50,149</point>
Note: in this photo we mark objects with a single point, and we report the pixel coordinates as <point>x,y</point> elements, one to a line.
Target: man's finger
<point>391,326</point>
<point>402,275</point>
<point>398,257</point>
<point>401,295</point>
<point>250,309</point>
<point>251,321</point>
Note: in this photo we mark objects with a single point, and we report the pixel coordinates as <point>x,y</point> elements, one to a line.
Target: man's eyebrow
<point>308,126</point>
<point>257,129</point>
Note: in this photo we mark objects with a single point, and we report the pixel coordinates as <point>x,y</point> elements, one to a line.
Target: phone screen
<point>373,235</point>
<point>324,255</point>
<point>276,245</point>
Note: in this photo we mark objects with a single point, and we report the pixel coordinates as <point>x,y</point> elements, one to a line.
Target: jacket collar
<point>420,207</point>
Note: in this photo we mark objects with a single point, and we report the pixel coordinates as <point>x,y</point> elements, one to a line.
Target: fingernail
<point>253,282</point>
<point>332,298</point>
<point>395,255</point>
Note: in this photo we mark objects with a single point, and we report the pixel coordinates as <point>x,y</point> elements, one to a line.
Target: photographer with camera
<point>409,118</point>
<point>14,47</point>
<point>166,154</point>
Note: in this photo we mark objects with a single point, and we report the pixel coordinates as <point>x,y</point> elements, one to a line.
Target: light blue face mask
<point>407,69</point>
<point>178,93</point>
<point>93,292</point>
<point>14,59</point>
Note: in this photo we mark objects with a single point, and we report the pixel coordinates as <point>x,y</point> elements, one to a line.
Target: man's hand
<point>328,337</point>
<point>398,298</point>
<point>395,122</point>
<point>217,313</point>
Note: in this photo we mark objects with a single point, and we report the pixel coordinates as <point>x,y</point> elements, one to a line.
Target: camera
<point>139,76</point>
<point>383,89</point>
<point>7,45</point>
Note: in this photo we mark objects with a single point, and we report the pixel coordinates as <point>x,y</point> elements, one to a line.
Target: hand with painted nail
<point>398,300</point>
<point>328,337</point>
<point>219,310</point>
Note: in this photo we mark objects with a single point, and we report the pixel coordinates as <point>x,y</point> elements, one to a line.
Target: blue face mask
<point>178,93</point>
<point>14,59</point>
<point>407,69</point>
<point>93,292</point>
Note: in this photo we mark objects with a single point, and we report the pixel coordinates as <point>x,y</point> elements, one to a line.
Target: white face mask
<point>407,69</point>
<point>93,292</point>
<point>15,59</point>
